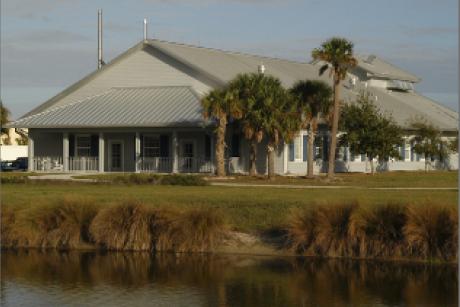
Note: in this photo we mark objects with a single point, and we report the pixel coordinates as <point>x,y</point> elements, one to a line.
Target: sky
<point>47,45</point>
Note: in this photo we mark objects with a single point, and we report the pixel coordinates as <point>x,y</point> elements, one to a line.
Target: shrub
<point>7,179</point>
<point>332,224</point>
<point>196,230</point>
<point>430,232</point>
<point>301,231</point>
<point>122,227</point>
<point>377,231</point>
<point>62,225</point>
<point>184,180</point>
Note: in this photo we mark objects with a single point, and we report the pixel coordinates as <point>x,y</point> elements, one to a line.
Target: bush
<point>8,179</point>
<point>122,227</point>
<point>184,180</point>
<point>191,231</point>
<point>63,225</point>
<point>378,231</point>
<point>431,232</point>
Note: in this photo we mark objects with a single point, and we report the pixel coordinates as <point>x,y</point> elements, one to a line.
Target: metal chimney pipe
<point>145,29</point>
<point>99,39</point>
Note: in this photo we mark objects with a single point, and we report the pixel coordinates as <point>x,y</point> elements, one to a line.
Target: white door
<point>187,156</point>
<point>116,156</point>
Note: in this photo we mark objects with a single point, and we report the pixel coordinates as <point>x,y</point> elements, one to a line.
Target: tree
<point>4,118</point>
<point>267,112</point>
<point>219,105</point>
<point>22,139</point>
<point>367,131</point>
<point>428,142</point>
<point>338,53</point>
<point>313,99</point>
<point>453,145</point>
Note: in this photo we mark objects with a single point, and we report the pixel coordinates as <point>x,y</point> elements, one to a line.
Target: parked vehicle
<point>20,164</point>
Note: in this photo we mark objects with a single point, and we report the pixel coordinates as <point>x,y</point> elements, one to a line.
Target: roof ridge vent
<point>370,59</point>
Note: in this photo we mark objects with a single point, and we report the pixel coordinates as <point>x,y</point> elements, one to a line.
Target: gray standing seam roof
<point>124,107</point>
<point>179,105</point>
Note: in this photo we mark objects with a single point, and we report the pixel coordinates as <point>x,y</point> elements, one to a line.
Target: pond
<point>35,278</point>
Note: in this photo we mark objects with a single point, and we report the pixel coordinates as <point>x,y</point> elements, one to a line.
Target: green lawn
<point>387,179</point>
<point>247,209</point>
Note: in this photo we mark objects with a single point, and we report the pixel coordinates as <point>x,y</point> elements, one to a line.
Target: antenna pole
<point>99,39</point>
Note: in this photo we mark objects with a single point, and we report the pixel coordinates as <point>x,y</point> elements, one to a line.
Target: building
<point>141,113</point>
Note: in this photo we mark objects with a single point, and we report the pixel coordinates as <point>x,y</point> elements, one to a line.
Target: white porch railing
<point>55,164</point>
<point>48,164</point>
<point>83,164</point>
<point>195,165</point>
<point>155,165</point>
<point>184,165</point>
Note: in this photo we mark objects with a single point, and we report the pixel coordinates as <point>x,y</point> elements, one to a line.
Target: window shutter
<point>94,145</point>
<point>71,145</point>
<point>164,145</point>
<point>305,147</point>
<point>402,152</point>
<point>291,151</point>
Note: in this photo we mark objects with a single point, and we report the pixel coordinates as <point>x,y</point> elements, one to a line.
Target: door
<point>187,156</point>
<point>116,156</point>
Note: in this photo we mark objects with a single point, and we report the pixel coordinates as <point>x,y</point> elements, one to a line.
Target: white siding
<point>140,69</point>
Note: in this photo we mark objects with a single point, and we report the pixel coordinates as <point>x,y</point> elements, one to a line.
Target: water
<point>36,278</point>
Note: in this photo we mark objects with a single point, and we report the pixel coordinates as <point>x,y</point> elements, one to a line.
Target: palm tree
<point>5,114</point>
<point>267,112</point>
<point>313,99</point>
<point>338,53</point>
<point>219,105</point>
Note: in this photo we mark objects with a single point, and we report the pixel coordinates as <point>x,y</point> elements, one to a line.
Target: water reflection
<point>136,279</point>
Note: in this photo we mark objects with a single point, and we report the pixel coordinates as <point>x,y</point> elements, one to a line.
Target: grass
<point>387,179</point>
<point>246,209</point>
<point>388,231</point>
<point>152,179</point>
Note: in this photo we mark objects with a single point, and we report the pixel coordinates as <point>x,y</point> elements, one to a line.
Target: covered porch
<point>145,150</point>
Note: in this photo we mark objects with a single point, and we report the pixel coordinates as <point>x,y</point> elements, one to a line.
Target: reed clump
<point>431,231</point>
<point>122,227</point>
<point>62,225</point>
<point>196,230</point>
<point>388,231</point>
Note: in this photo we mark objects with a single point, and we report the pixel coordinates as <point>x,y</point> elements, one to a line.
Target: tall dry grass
<point>431,231</point>
<point>381,231</point>
<point>62,225</point>
<point>378,231</point>
<point>196,230</point>
<point>122,227</point>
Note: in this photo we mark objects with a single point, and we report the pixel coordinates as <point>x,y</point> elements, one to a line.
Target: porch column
<point>65,151</point>
<point>175,164</point>
<point>30,148</point>
<point>137,153</point>
<point>101,152</point>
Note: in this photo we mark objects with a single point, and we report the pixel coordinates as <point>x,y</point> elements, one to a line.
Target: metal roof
<point>382,69</point>
<point>223,66</point>
<point>124,107</point>
<point>218,67</point>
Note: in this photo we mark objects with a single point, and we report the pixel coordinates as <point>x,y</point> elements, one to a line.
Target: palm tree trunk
<point>271,160</point>
<point>252,158</point>
<point>311,149</point>
<point>335,126</point>
<point>220,146</point>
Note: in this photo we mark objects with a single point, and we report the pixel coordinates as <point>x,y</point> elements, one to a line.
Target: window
<point>235,149</point>
<point>207,147</point>
<point>83,146</point>
<point>151,146</point>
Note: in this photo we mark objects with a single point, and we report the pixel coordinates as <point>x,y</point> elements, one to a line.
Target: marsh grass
<point>122,227</point>
<point>431,231</point>
<point>387,231</point>
<point>196,230</point>
<point>62,225</point>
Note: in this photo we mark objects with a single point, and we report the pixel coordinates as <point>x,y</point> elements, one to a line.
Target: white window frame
<point>298,137</point>
<point>157,136</point>
<point>77,147</point>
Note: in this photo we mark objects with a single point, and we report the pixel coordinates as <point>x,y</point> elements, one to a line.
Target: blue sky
<point>49,44</point>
